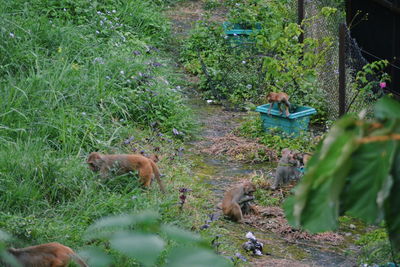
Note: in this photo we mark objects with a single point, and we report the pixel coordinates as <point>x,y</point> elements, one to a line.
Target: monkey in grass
<point>280,98</point>
<point>287,168</point>
<point>125,163</point>
<point>231,204</point>
<point>45,255</point>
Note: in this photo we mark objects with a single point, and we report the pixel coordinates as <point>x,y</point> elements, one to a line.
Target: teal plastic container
<point>294,124</point>
<point>240,34</point>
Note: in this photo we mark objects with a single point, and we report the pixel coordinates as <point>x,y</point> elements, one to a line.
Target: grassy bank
<point>76,77</point>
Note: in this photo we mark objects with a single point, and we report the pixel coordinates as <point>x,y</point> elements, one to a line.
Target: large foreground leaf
<point>315,204</point>
<point>387,108</point>
<point>195,257</point>
<point>369,181</point>
<point>143,247</point>
<point>392,205</point>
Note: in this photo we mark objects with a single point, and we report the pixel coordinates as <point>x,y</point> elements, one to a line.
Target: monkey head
<point>94,161</point>
<point>154,158</point>
<point>285,152</point>
<point>269,96</point>
<point>248,188</point>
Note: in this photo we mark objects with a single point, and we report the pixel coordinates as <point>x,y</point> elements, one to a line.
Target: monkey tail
<point>78,260</point>
<point>157,176</point>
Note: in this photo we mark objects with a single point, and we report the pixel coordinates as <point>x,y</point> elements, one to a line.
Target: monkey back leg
<point>146,175</point>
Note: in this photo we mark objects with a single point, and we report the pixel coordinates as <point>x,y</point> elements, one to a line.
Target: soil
<point>218,164</point>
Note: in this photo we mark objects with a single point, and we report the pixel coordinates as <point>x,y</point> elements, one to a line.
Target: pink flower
<point>382,84</point>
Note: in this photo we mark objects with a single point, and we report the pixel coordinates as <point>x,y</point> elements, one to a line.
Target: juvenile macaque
<point>45,255</point>
<point>154,158</point>
<point>303,158</point>
<point>125,163</point>
<point>287,168</point>
<point>234,198</point>
<point>247,207</point>
<point>280,98</point>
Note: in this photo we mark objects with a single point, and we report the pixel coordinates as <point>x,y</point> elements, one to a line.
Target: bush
<point>273,61</point>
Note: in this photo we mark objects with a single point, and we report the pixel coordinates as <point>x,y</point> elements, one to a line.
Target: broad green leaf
<point>4,236</point>
<point>195,257</point>
<point>94,257</point>
<point>146,218</point>
<point>145,248</point>
<point>392,205</point>
<point>6,257</point>
<point>369,181</point>
<point>387,108</point>
<point>180,235</point>
<point>315,204</point>
<point>113,221</point>
<point>105,227</point>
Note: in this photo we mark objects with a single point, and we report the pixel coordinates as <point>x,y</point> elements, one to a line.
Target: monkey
<point>154,158</point>
<point>287,168</point>
<point>236,196</point>
<point>246,205</point>
<point>303,158</point>
<point>45,255</point>
<point>280,98</point>
<point>124,163</point>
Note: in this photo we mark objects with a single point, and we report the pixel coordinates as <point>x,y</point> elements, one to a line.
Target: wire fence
<point>321,27</point>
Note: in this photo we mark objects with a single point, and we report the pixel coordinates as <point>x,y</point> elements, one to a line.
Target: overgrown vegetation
<point>82,76</point>
<point>274,139</point>
<point>79,76</point>
<point>238,70</point>
<point>354,171</point>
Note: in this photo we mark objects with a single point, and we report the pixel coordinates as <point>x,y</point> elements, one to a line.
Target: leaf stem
<point>380,138</point>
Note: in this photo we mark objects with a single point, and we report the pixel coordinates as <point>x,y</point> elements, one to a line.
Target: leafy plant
<point>271,59</point>
<point>274,139</point>
<point>369,84</point>
<point>143,238</point>
<point>354,171</point>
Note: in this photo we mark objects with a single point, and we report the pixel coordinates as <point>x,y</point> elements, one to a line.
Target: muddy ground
<point>216,165</point>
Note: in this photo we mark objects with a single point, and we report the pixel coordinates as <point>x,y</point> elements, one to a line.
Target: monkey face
<point>93,166</point>
<point>154,158</point>
<point>249,188</point>
<point>285,152</point>
<point>93,161</point>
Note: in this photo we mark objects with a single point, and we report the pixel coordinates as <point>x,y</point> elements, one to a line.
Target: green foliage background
<point>354,171</point>
<point>82,76</point>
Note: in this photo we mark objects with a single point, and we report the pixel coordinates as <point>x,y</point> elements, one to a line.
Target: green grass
<point>82,76</point>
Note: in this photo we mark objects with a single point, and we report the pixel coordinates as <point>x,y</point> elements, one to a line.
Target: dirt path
<point>281,244</point>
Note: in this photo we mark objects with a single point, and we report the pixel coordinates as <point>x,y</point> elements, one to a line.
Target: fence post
<point>300,17</point>
<point>342,69</point>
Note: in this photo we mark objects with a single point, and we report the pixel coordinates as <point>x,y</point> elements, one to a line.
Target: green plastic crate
<point>294,124</point>
<point>240,35</point>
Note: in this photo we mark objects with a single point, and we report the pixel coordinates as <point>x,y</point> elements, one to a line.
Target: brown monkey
<point>287,168</point>
<point>302,157</point>
<point>280,98</point>
<point>124,163</point>
<point>46,255</point>
<point>247,206</point>
<point>154,158</point>
<point>234,198</point>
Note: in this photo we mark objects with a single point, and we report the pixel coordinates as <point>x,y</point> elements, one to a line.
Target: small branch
<point>381,138</point>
